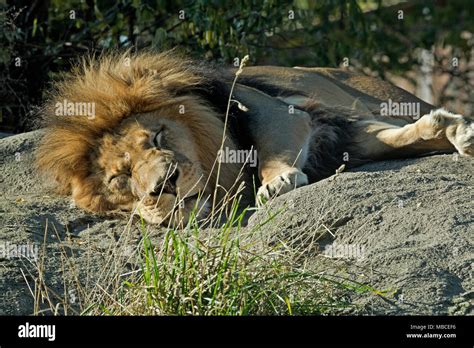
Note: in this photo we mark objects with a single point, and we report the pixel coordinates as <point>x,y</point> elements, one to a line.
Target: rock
<point>401,229</point>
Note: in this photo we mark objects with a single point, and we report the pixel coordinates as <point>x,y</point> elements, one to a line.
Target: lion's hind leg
<point>438,131</point>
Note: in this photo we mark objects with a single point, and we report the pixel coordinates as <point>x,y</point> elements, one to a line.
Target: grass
<point>225,271</point>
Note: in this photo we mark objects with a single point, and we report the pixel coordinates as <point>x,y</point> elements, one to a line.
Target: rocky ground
<point>404,228</point>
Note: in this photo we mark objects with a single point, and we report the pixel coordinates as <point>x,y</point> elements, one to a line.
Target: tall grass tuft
<point>226,271</point>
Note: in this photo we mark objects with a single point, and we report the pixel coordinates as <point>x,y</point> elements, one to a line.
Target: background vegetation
<point>39,38</point>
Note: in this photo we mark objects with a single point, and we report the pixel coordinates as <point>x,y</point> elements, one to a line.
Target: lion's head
<point>150,143</point>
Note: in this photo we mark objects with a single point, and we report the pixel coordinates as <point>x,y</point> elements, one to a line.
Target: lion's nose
<point>167,186</point>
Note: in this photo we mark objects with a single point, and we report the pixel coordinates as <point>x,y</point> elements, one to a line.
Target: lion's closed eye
<point>158,139</point>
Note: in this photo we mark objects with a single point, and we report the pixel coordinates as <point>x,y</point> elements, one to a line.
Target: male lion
<point>151,144</point>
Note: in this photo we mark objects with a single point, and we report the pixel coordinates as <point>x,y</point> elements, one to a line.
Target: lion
<point>160,120</point>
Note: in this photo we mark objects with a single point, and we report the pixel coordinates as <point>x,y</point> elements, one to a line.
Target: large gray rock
<point>403,229</point>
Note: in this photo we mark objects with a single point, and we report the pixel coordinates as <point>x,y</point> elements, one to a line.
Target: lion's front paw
<point>282,183</point>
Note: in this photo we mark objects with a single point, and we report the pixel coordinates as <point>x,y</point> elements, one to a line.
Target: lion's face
<point>150,162</point>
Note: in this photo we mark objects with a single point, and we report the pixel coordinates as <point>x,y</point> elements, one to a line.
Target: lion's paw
<point>463,138</point>
<point>459,130</point>
<point>283,183</point>
<point>435,123</point>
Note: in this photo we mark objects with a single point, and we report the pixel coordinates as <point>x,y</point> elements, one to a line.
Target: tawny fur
<point>122,85</point>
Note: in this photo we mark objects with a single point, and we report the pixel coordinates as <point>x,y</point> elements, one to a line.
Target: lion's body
<point>304,123</point>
